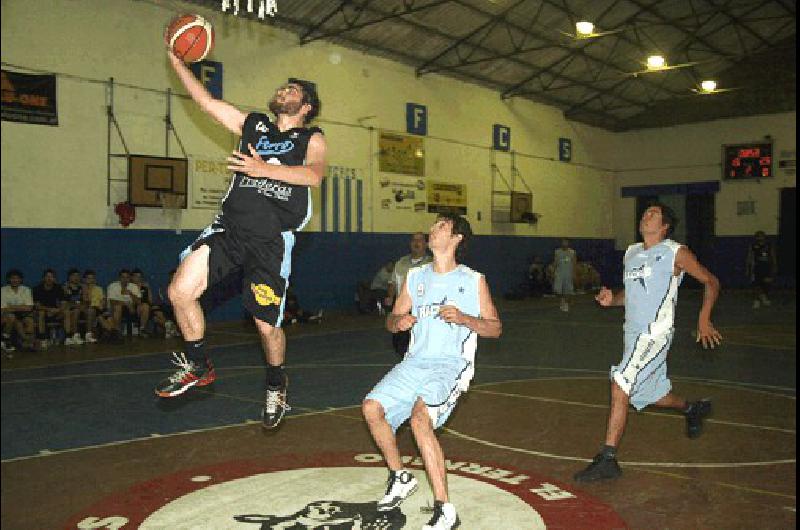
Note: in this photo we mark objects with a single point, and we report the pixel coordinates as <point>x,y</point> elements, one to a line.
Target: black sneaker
<point>275,405</point>
<point>695,416</point>
<point>188,375</point>
<point>444,517</point>
<point>602,468</point>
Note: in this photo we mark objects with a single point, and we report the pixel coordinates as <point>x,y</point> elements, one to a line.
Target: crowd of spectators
<point>79,311</point>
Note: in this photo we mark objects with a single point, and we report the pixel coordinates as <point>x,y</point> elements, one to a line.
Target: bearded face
<point>288,100</point>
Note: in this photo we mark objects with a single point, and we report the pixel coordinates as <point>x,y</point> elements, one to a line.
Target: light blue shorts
<point>435,381</point>
<point>562,284</point>
<point>642,374</point>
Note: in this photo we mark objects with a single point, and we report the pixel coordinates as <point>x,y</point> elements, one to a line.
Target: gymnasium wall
<point>55,210</point>
<point>123,39</point>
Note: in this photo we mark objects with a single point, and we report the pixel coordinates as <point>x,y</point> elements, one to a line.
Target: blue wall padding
<point>326,266</point>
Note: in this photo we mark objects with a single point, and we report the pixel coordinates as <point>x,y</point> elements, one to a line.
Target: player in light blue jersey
<point>653,271</point>
<point>446,306</point>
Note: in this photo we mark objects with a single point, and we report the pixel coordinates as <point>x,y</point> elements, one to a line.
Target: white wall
<point>56,176</point>
<point>693,153</point>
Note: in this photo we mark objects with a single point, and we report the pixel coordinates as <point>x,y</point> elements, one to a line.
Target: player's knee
<point>372,410</point>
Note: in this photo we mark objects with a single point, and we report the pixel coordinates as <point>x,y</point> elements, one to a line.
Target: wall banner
<point>401,154</point>
<point>29,98</point>
<point>209,179</point>
<point>402,194</point>
<point>447,197</point>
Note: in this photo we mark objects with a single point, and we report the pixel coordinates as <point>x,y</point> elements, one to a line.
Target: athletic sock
<point>274,375</point>
<point>195,351</point>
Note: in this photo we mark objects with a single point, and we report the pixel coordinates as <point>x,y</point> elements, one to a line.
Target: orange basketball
<point>191,37</point>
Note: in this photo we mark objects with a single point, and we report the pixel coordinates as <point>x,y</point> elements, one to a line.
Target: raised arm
<point>225,113</point>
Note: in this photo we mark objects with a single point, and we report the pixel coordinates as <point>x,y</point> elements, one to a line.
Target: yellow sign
<point>210,180</point>
<point>447,197</point>
<point>401,154</point>
<point>265,295</point>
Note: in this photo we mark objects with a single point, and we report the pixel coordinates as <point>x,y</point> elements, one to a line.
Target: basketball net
<point>265,7</point>
<point>171,209</point>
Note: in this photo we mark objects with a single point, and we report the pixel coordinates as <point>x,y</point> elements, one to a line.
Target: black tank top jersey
<point>761,253</point>
<point>256,204</point>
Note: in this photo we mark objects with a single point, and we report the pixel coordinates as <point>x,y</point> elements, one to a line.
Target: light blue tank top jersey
<point>651,288</point>
<point>431,337</point>
<point>563,262</point>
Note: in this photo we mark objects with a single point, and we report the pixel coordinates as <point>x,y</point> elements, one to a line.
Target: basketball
<point>191,37</point>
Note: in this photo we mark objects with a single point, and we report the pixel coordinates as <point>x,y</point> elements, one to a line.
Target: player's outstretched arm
<point>225,113</point>
<point>400,318</point>
<point>686,261</point>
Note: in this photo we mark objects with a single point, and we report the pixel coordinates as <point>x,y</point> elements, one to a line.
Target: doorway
<point>787,235</point>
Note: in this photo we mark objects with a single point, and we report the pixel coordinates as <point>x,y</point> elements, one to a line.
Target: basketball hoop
<point>172,205</point>
<point>265,7</point>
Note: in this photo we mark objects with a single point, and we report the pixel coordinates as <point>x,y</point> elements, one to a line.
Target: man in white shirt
<point>17,310</point>
<point>123,296</point>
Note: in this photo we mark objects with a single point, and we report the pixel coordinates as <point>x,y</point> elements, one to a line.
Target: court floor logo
<point>339,491</point>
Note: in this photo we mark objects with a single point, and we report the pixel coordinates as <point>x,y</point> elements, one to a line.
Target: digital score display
<point>747,161</point>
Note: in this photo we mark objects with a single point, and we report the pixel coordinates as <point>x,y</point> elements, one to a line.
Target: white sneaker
<point>400,485</point>
<point>766,301</point>
<point>69,341</point>
<point>444,517</point>
<point>564,307</point>
<point>90,338</point>
<point>756,304</point>
<point>76,339</point>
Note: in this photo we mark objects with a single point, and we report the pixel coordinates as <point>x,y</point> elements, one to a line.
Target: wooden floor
<point>85,444</point>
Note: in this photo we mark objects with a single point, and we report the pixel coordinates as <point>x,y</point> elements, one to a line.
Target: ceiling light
<point>656,62</point>
<point>709,85</point>
<point>584,28</point>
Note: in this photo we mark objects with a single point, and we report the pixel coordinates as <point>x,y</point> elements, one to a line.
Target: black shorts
<point>22,315</point>
<point>255,265</point>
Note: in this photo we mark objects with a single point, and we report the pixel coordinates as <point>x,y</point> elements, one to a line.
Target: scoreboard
<point>747,161</point>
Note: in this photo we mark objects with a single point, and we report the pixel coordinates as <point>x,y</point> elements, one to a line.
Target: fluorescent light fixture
<point>709,85</point>
<point>584,28</point>
<point>656,62</point>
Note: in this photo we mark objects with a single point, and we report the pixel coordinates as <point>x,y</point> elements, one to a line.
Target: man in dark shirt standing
<point>761,267</point>
<point>251,240</point>
<point>50,303</point>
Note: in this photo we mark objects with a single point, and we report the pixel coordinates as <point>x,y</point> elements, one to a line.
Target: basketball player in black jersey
<point>251,239</point>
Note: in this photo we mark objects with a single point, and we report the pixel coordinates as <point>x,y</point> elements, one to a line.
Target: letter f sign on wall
<point>210,74</point>
<point>416,119</point>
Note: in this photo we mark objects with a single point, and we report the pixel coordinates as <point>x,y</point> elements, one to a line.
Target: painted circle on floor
<point>340,492</point>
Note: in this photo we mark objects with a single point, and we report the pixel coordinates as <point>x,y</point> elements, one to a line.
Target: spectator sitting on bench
<point>17,309</point>
<point>123,297</point>
<point>145,305</point>
<point>96,314</point>
<point>50,306</point>
<point>73,293</point>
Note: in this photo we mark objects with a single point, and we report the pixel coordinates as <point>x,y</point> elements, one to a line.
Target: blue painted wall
<point>326,266</point>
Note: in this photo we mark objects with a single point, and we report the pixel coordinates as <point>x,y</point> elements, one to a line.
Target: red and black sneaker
<point>188,375</point>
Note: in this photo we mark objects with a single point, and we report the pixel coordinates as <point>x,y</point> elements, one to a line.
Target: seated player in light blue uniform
<point>653,271</point>
<point>446,306</point>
